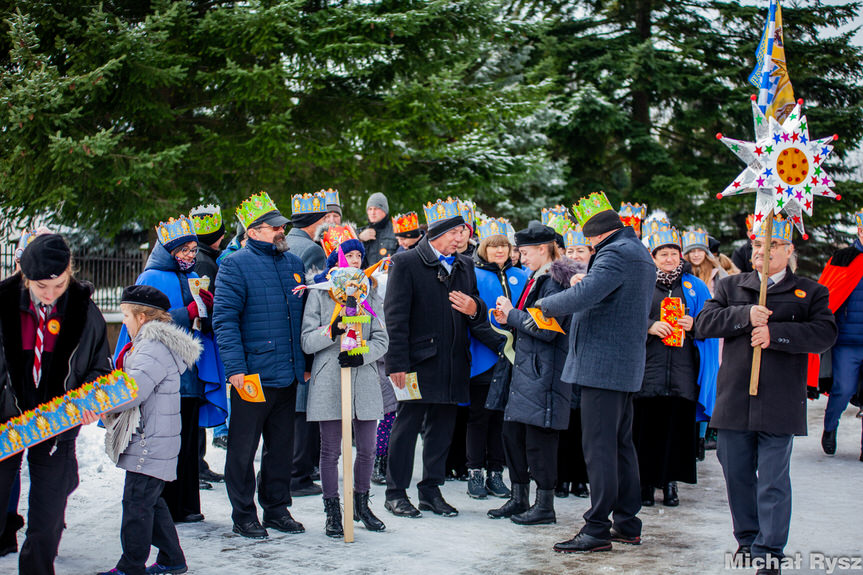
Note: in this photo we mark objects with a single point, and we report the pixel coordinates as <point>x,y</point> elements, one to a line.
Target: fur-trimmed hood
<point>562,270</point>
<point>182,346</point>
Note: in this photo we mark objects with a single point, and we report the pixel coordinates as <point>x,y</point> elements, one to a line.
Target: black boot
<point>700,450</point>
<point>9,537</point>
<point>828,442</point>
<point>517,503</point>
<point>647,496</point>
<point>364,514</point>
<point>669,494</point>
<point>333,526</point>
<point>580,490</point>
<point>379,472</point>
<point>542,511</point>
<point>562,489</point>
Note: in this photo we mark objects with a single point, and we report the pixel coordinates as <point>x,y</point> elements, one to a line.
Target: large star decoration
<point>783,166</point>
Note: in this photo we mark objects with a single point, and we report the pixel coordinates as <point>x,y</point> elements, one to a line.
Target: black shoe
<point>333,526</point>
<point>204,485</point>
<point>765,571</point>
<point>669,494</point>
<point>710,439</point>
<point>310,489</point>
<point>9,537</point>
<point>190,518</point>
<point>316,474</point>
<point>210,476</point>
<point>580,490</point>
<point>402,507</point>
<point>700,450</point>
<point>251,529</point>
<point>583,543</point>
<point>828,442</point>
<point>647,497</point>
<point>619,537</point>
<point>285,524</point>
<point>379,472</point>
<point>438,506</point>
<point>744,551</point>
<point>495,486</point>
<point>221,442</point>
<point>542,511</point>
<point>562,489</point>
<point>476,484</point>
<point>364,514</point>
<point>519,502</point>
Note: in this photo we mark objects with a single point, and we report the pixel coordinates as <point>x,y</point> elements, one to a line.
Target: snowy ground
<point>693,538</point>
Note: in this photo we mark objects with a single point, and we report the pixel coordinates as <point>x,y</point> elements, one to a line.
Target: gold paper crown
<point>663,237</point>
<point>695,238</point>
<point>207,219</point>
<point>632,215</point>
<point>309,203</point>
<point>404,223</point>
<point>588,207</point>
<point>334,236</point>
<point>493,227</point>
<point>175,232</point>
<point>466,209</point>
<point>254,207</point>
<point>574,237</point>
<point>442,210</point>
<point>559,223</point>
<point>859,217</point>
<point>546,214</point>
<point>782,229</point>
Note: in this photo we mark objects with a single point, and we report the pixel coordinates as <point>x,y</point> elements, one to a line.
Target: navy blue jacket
<point>257,318</point>
<point>849,316</point>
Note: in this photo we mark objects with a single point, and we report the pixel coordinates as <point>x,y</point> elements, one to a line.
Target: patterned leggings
<point>385,426</point>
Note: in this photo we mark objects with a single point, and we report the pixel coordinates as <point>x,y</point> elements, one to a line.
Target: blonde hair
<point>728,265</point>
<point>492,242</point>
<point>704,270</point>
<point>149,313</point>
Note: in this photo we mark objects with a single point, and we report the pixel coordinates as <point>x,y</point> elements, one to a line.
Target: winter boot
<point>364,514</point>
<point>517,503</point>
<point>700,449</point>
<point>333,525</point>
<point>562,489</point>
<point>580,490</point>
<point>669,494</point>
<point>494,485</point>
<point>9,539</point>
<point>542,511</point>
<point>379,472</point>
<point>828,442</point>
<point>476,484</point>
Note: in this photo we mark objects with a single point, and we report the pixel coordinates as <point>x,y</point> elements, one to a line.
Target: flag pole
<point>347,451</point>
<point>762,300</point>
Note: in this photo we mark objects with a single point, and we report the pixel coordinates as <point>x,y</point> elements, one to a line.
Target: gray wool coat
<point>324,403</point>
<point>160,352</point>
<point>610,311</point>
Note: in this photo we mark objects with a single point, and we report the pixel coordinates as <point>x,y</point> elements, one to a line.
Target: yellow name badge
<point>53,326</point>
<point>800,293</point>
<point>543,322</point>
<point>252,390</point>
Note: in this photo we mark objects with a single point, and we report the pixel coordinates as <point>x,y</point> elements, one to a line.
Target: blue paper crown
<point>694,238</point>
<point>493,227</point>
<point>467,212</point>
<point>782,229</point>
<point>665,236</point>
<point>309,203</point>
<point>654,225</point>
<point>574,237</point>
<point>859,217</point>
<point>176,232</point>
<point>332,197</point>
<point>442,210</point>
<point>547,213</point>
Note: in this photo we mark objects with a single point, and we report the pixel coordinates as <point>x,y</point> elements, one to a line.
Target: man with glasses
<point>257,318</point>
<point>755,432</point>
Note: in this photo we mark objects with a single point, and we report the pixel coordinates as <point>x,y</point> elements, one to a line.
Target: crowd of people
<point>595,353</point>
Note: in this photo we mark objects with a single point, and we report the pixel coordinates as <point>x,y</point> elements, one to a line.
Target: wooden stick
<point>762,300</point>
<point>347,453</point>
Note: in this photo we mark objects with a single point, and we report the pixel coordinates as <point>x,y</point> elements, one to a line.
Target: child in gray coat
<point>144,435</point>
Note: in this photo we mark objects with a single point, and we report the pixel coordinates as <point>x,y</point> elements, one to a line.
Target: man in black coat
<point>430,303</point>
<point>755,432</point>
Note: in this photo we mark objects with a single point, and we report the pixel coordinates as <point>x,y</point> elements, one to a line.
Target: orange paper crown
<point>404,223</point>
<point>334,236</point>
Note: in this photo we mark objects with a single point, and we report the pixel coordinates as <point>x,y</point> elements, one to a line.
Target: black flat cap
<point>147,296</point>
<point>535,234</point>
<point>46,257</point>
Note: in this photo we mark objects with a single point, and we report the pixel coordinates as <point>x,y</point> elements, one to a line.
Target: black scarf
<point>667,279</point>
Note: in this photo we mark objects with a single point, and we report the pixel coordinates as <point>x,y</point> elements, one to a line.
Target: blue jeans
<point>847,361</point>
<point>222,430</point>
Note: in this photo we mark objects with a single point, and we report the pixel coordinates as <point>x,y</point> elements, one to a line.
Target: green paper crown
<point>207,219</point>
<point>588,207</point>
<point>253,208</point>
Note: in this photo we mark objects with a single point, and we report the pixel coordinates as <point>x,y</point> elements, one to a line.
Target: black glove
<point>347,360</point>
<point>335,330</point>
<point>812,392</point>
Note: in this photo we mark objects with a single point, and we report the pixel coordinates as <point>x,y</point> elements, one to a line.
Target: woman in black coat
<point>538,405</point>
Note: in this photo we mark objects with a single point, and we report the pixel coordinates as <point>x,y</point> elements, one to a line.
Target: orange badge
<point>53,327</point>
<point>383,251</point>
<point>800,293</point>
<point>687,284</point>
<point>298,279</point>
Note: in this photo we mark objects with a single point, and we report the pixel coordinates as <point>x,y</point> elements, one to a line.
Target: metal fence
<point>109,274</point>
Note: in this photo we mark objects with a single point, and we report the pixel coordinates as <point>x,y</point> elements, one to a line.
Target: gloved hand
<point>192,308</point>
<point>347,360</point>
<point>529,324</point>
<point>335,330</point>
<point>207,298</point>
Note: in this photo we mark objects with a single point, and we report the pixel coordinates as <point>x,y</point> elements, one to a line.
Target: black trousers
<point>531,451</point>
<point>307,450</point>
<point>612,464</point>
<point>436,422</point>
<point>53,477</point>
<point>484,430</point>
<point>456,457</point>
<point>570,454</point>
<point>146,522</point>
<point>274,420</point>
<point>183,495</point>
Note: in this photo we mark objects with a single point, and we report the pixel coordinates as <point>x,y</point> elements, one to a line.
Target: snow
<point>694,537</point>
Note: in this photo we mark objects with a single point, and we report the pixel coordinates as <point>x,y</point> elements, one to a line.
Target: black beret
<point>46,257</point>
<point>439,228</point>
<point>147,296</point>
<point>535,234</point>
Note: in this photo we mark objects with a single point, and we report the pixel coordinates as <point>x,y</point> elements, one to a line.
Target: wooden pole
<point>762,300</point>
<point>347,453</point>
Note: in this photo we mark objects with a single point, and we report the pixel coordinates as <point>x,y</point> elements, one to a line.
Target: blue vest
<point>490,288</point>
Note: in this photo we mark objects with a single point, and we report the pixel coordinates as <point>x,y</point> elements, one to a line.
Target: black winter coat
<point>670,371</point>
<point>205,264</point>
<point>801,324</point>
<point>537,394</point>
<point>426,334</point>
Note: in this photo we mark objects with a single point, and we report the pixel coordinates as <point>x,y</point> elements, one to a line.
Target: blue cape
<point>696,293</point>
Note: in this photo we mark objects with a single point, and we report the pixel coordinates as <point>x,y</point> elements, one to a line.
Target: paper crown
<point>466,209</point>
<point>547,213</point>
<point>27,236</point>
<point>560,223</point>
<point>442,210</point>
<point>309,203</point>
<point>782,229</point>
<point>175,232</point>
<point>750,219</point>
<point>574,237</point>
<point>206,219</point>
<point>254,207</point>
<point>493,227</point>
<point>694,238</point>
<point>404,223</point>
<point>663,237</point>
<point>656,224</point>
<point>588,207</point>
<point>859,218</point>
<point>331,196</point>
<point>334,236</point>
<point>632,215</point>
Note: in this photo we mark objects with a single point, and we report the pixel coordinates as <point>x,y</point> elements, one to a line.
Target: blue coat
<point>207,379</point>
<point>256,316</point>
<point>849,316</point>
<point>610,311</point>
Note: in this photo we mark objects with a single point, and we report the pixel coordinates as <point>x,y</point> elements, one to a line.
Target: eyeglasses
<point>274,228</point>
<point>188,251</point>
<point>756,245</point>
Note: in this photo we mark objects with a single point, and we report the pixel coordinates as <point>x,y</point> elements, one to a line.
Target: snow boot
<point>364,514</point>
<point>494,485</point>
<point>333,526</point>
<point>379,472</point>
<point>669,494</point>
<point>542,511</point>
<point>476,484</point>
<point>517,503</point>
